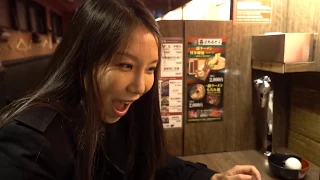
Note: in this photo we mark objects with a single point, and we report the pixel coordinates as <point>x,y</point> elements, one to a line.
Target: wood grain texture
<point>305,147</point>
<point>282,68</point>
<point>268,66</point>
<point>243,123</point>
<point>304,137</point>
<point>224,161</point>
<point>174,141</point>
<point>281,107</point>
<point>305,113</point>
<point>174,137</point>
<point>300,67</point>
<point>208,137</point>
<point>303,16</point>
<point>306,80</point>
<point>4,18</point>
<point>20,78</point>
<point>171,28</point>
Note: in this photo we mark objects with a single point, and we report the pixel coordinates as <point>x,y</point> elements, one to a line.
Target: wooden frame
<point>20,16</point>
<point>14,14</point>
<point>6,17</point>
<point>56,23</point>
<point>40,15</point>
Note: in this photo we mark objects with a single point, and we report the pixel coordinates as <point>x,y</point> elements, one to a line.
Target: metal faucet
<point>265,94</point>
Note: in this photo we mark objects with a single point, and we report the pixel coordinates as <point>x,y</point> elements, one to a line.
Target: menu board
<point>205,78</point>
<point>170,82</point>
<point>252,11</point>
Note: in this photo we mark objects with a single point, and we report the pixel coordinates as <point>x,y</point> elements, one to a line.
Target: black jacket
<point>37,144</point>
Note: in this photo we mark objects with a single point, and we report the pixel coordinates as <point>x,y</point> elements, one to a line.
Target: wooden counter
<point>223,161</point>
<point>24,60</point>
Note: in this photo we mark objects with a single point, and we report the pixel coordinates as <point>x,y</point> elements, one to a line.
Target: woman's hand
<point>239,172</point>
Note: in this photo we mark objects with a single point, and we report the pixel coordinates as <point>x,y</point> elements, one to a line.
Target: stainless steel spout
<point>265,95</point>
<point>263,88</point>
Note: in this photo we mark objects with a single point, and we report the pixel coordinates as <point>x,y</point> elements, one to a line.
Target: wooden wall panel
<point>305,113</point>
<point>173,136</point>
<point>237,131</point>
<point>4,18</point>
<point>305,147</point>
<point>281,107</point>
<point>241,127</point>
<point>208,137</point>
<point>304,137</point>
<point>20,78</point>
<point>303,16</point>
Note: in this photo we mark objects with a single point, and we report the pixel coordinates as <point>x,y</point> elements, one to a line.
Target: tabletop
<point>224,161</point>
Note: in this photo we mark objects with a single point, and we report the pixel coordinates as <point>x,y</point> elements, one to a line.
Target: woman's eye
<point>152,69</point>
<point>126,66</point>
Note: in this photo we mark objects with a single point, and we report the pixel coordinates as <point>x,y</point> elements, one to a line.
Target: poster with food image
<point>171,102</point>
<point>170,82</point>
<point>205,78</point>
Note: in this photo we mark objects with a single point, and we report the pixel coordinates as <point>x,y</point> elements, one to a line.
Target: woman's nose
<point>137,85</point>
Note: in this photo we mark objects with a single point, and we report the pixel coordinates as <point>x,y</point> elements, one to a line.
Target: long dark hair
<point>97,31</point>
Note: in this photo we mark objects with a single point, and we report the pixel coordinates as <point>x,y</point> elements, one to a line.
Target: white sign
<point>170,82</point>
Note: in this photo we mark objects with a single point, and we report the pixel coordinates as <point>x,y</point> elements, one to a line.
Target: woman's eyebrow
<point>154,61</point>
<point>131,56</point>
<point>135,58</point>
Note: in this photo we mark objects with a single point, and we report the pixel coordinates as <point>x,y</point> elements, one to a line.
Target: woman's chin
<point>111,120</point>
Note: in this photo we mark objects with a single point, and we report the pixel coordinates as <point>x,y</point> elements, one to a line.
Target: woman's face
<point>129,75</point>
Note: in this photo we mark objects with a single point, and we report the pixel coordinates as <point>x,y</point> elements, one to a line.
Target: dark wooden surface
<point>4,18</point>
<point>20,78</point>
<point>174,141</point>
<point>304,136</point>
<point>281,107</point>
<point>283,68</point>
<point>208,137</point>
<point>308,148</point>
<point>174,137</point>
<point>224,161</point>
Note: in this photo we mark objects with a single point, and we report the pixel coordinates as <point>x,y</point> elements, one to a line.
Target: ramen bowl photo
<point>197,92</point>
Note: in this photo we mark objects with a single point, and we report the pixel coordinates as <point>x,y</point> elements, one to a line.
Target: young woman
<point>96,115</point>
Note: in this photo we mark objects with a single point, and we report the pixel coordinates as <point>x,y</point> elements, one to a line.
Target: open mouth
<point>120,108</point>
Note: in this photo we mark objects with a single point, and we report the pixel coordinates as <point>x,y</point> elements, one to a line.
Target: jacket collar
<point>37,118</point>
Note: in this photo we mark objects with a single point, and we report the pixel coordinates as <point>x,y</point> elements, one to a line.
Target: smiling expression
<point>129,75</point>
